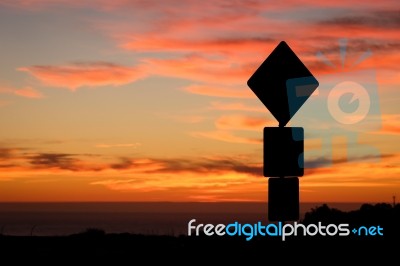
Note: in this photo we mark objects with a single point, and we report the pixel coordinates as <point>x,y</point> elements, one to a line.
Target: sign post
<point>283,83</point>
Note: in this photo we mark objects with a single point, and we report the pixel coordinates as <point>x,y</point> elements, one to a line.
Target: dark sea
<point>160,218</point>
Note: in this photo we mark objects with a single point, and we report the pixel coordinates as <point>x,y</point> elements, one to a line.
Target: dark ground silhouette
<point>95,245</point>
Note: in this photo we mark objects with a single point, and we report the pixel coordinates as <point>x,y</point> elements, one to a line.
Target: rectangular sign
<point>283,199</point>
<point>283,151</point>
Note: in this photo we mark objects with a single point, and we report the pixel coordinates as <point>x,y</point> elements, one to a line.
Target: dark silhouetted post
<point>283,83</point>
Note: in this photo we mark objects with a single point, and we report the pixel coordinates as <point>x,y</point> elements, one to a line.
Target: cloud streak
<point>226,136</point>
<point>235,106</point>
<point>385,19</point>
<point>219,91</point>
<point>211,48</point>
<point>53,160</point>
<point>241,122</point>
<point>390,124</point>
<point>222,178</point>
<point>90,74</point>
<point>26,92</point>
<point>229,40</point>
<point>221,46</point>
<point>36,161</point>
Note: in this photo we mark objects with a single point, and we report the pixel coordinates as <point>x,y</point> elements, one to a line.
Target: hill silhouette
<point>96,244</point>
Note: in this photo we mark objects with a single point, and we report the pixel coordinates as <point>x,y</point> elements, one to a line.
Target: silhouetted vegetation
<point>93,232</point>
<point>383,214</point>
<point>95,243</point>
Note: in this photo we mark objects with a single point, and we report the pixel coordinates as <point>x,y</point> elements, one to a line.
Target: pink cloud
<point>215,56</point>
<point>74,76</point>
<point>27,92</point>
<point>229,43</point>
<point>201,7</point>
<point>215,45</point>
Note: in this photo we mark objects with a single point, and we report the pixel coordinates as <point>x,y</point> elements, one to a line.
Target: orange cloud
<point>236,106</point>
<point>222,178</point>
<point>226,136</point>
<point>27,92</point>
<point>219,91</point>
<point>226,124</point>
<point>241,122</point>
<point>190,5</point>
<point>30,161</point>
<point>394,129</point>
<point>215,59</point>
<point>78,75</point>
<point>390,124</point>
<point>43,4</point>
<point>356,174</point>
<point>217,45</point>
<point>203,182</point>
<point>230,41</point>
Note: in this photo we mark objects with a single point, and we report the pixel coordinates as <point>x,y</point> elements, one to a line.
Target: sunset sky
<point>135,100</point>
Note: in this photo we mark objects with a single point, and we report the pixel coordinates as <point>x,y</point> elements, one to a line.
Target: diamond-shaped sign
<point>282,83</point>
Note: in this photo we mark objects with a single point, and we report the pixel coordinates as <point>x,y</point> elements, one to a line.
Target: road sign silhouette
<point>283,199</point>
<point>283,151</point>
<point>269,82</point>
<point>283,83</point>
